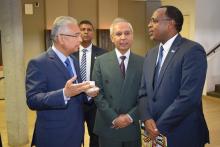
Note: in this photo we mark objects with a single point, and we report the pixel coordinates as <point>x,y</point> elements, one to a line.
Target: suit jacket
<point>57,124</point>
<point>117,95</point>
<point>176,102</point>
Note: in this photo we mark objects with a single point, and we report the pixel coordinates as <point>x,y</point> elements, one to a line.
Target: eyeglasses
<point>74,36</point>
<point>154,20</point>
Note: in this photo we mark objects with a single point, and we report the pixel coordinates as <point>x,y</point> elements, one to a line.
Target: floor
<point>211,110</point>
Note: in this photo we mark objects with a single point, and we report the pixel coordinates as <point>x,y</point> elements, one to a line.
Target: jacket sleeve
<point>38,96</point>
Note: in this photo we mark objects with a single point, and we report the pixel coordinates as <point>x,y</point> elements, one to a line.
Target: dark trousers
<point>89,116</point>
<point>106,142</point>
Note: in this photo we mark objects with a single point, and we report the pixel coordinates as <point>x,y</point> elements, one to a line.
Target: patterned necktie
<point>122,65</point>
<point>158,66</point>
<point>83,65</point>
<point>69,68</point>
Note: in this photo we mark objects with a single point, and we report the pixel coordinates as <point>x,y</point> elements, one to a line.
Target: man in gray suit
<point>118,75</point>
<point>173,78</point>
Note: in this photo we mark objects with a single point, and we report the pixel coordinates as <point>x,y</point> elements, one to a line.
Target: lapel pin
<point>173,51</point>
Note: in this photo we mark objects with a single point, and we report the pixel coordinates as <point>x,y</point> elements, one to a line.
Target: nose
<point>123,36</point>
<point>149,24</point>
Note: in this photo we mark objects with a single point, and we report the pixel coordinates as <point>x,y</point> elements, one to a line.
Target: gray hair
<point>119,20</point>
<point>60,24</point>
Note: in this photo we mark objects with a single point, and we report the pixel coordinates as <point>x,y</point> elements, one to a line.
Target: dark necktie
<point>83,65</point>
<point>122,65</point>
<point>158,67</point>
<point>69,68</point>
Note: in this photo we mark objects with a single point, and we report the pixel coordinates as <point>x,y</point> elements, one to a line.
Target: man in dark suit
<point>173,78</point>
<point>92,51</point>
<point>118,74</point>
<point>54,89</point>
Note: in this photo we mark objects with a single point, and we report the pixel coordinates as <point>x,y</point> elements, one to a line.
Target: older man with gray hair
<point>54,89</point>
<point>118,74</point>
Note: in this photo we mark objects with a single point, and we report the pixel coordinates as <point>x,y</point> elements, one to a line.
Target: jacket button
<point>154,100</point>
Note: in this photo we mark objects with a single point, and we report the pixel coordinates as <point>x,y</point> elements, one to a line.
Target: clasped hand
<point>121,121</point>
<point>73,89</point>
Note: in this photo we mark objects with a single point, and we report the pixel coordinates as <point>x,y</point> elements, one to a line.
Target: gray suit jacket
<point>175,103</point>
<point>117,95</point>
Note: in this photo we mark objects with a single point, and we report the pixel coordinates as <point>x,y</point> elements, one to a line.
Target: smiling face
<point>122,36</point>
<point>159,26</point>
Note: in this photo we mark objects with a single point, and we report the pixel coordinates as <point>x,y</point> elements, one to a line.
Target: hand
<point>92,92</point>
<point>151,128</point>
<point>72,89</point>
<point>122,121</point>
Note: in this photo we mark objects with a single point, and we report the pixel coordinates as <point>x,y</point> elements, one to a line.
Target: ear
<point>112,38</point>
<point>173,23</point>
<point>60,39</point>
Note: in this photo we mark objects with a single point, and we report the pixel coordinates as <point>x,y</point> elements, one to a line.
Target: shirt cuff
<point>66,99</point>
<point>130,118</point>
<point>89,98</point>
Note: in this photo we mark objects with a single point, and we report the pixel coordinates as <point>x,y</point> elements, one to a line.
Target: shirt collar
<point>59,54</point>
<point>168,44</point>
<point>89,48</point>
<point>118,54</point>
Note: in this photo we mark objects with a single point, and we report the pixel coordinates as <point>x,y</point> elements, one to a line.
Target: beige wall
<point>187,7</point>
<point>33,27</point>
<point>134,11</point>
<point>53,9</point>
<point>84,9</point>
<point>107,12</point>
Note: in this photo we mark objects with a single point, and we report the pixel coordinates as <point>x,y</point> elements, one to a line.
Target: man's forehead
<point>160,12</point>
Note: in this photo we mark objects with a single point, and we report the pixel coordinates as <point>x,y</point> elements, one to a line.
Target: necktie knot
<point>123,58</point>
<point>84,50</point>
<point>67,62</point>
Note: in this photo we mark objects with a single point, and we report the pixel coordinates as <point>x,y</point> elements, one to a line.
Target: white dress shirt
<point>127,54</point>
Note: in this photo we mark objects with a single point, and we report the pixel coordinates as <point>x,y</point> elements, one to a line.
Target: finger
<point>70,81</point>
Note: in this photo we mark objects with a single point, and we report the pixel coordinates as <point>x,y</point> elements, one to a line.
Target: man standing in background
<point>118,75</point>
<point>173,78</point>
<point>87,54</point>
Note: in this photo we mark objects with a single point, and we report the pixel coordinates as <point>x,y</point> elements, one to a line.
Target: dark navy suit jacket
<point>57,124</point>
<point>176,102</point>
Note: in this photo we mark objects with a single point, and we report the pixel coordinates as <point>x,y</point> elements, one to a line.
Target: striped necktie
<point>83,65</point>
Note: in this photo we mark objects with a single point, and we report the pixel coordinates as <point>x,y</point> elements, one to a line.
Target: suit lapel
<point>113,67</point>
<point>58,63</point>
<point>130,73</point>
<point>169,57</point>
<point>93,57</point>
<point>151,69</point>
<point>77,68</point>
